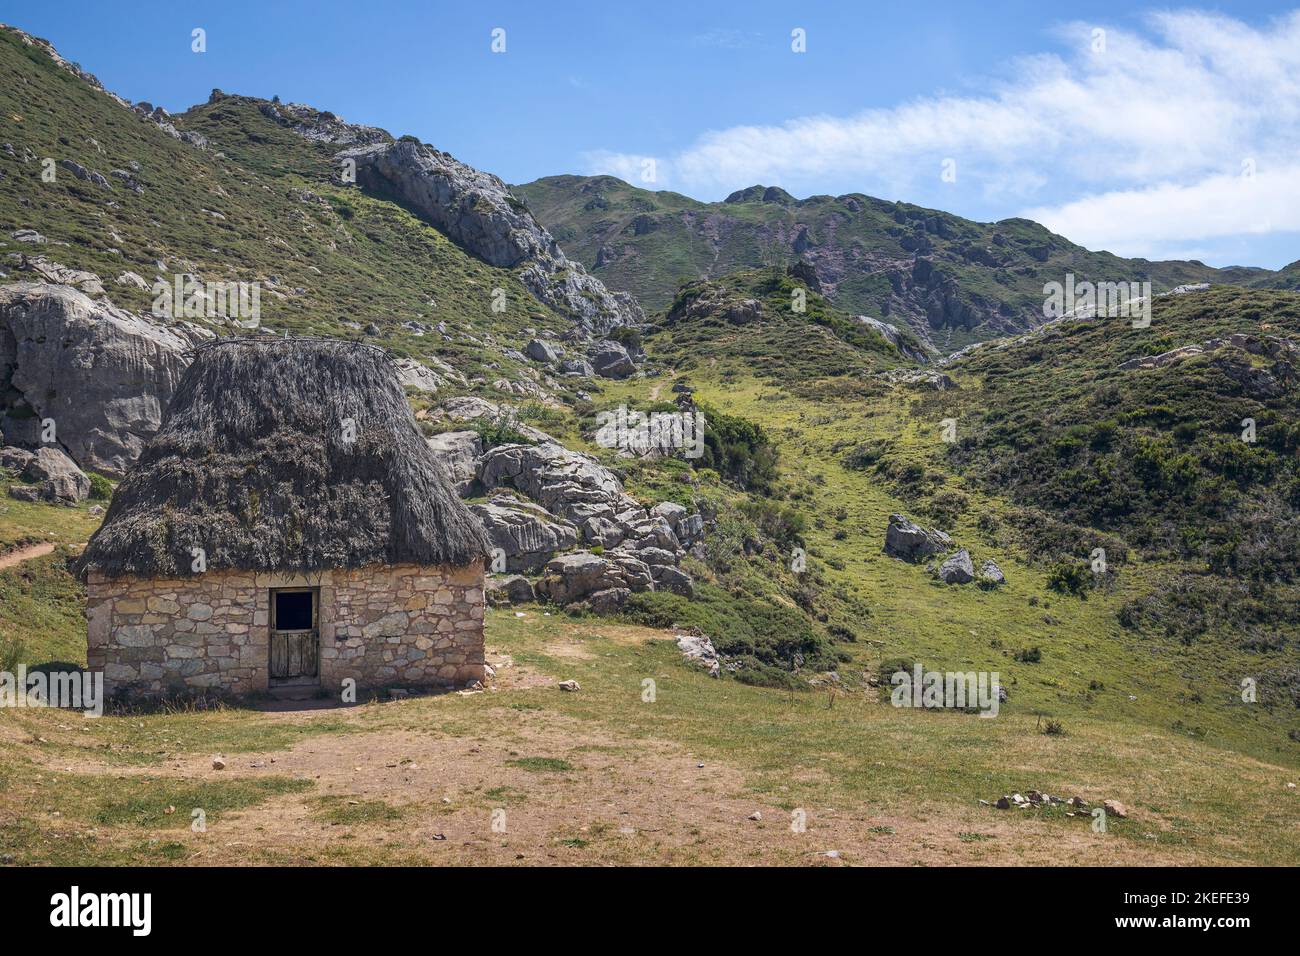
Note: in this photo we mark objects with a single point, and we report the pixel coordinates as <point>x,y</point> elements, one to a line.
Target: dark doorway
<point>295,635</point>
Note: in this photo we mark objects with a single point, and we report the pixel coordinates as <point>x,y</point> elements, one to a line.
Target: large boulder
<point>540,351</point>
<point>611,360</point>
<point>459,453</point>
<point>958,569</point>
<point>58,475</point>
<point>566,483</point>
<point>527,533</point>
<point>103,375</point>
<point>908,541</point>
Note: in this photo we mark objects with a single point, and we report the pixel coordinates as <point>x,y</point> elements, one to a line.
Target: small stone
<point>756,815</point>
<point>1003,803</point>
<point>1115,809</point>
<point>569,685</point>
<point>218,762</point>
<point>833,854</point>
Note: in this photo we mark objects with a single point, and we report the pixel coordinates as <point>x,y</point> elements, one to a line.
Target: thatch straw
<point>252,464</point>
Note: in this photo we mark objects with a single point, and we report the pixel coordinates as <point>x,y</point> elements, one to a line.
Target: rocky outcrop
<point>477,211</point>
<point>104,376</point>
<point>57,274</point>
<point>527,533</point>
<point>894,337</point>
<point>321,126</point>
<point>566,483</point>
<point>508,589</point>
<point>459,453</point>
<point>908,541</point>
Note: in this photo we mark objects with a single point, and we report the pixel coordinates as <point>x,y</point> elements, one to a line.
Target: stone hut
<point>287,529</point>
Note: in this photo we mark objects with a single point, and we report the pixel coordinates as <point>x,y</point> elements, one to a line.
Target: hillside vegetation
<point>953,280</point>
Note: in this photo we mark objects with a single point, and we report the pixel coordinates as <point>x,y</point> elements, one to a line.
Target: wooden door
<point>295,630</point>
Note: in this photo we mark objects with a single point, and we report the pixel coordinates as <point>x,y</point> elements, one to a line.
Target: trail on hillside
<point>19,555</point>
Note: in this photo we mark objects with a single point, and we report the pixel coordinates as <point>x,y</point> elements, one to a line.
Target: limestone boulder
<point>958,569</point>
<point>103,375</point>
<point>908,541</point>
<point>566,483</point>
<point>610,359</point>
<point>571,577</point>
<point>58,475</point>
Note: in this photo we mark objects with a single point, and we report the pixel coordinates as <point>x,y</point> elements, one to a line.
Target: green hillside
<point>951,279</point>
<point>258,204</point>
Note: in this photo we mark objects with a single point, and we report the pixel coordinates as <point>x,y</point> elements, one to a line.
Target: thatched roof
<point>253,465</point>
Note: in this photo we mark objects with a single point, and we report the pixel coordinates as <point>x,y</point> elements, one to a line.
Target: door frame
<point>314,631</point>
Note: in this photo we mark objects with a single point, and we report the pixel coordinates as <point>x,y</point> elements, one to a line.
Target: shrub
<point>11,652</point>
<point>1028,655</point>
<point>101,489</point>
<point>1067,577</point>
<point>739,451</point>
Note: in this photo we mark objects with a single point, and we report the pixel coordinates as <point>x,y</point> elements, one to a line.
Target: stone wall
<point>382,626</point>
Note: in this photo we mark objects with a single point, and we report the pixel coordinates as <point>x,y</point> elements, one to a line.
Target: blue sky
<point>1174,132</point>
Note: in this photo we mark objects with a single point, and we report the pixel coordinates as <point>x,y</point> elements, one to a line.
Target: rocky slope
<point>951,280</point>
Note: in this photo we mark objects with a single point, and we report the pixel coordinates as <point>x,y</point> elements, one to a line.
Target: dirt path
<point>19,555</point>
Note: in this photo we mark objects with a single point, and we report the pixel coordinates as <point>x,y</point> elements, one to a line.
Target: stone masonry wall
<point>404,625</point>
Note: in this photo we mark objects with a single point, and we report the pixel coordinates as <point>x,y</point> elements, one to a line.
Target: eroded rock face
<point>477,211</point>
<point>459,453</point>
<point>103,375</point>
<point>528,534</point>
<point>566,483</point>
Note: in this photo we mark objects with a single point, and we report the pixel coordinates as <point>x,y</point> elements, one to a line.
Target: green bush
<point>101,489</point>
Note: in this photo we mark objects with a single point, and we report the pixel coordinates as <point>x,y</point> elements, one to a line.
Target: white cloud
<point>1137,144</point>
<point>1138,221</point>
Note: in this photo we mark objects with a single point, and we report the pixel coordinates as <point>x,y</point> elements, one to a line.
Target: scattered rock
<point>1115,809</point>
<point>218,762</point>
<point>699,650</point>
<point>991,574</point>
<point>958,569</point>
<point>569,685</point>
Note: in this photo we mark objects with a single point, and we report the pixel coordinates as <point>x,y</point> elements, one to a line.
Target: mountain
<point>240,189</point>
<point>953,281</point>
